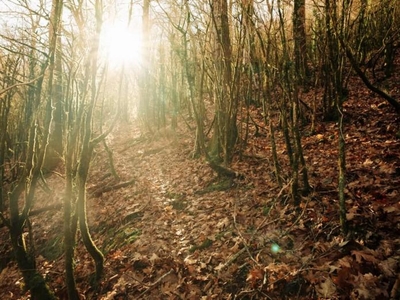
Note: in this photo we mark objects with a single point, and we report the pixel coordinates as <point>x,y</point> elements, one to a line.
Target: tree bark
<point>87,150</point>
<point>300,41</point>
<point>225,128</point>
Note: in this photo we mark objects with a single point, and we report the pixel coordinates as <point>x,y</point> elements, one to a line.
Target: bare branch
<point>19,84</point>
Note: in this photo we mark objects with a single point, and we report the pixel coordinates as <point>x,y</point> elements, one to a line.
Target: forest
<point>205,149</point>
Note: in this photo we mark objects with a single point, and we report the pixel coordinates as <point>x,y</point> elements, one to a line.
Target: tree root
<point>98,192</point>
<point>224,172</point>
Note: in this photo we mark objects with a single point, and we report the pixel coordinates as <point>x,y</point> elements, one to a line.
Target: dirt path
<point>248,241</point>
<point>165,238</point>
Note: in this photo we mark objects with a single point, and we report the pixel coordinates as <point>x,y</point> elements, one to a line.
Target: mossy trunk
<point>83,170</point>
<point>33,280</point>
<point>69,232</point>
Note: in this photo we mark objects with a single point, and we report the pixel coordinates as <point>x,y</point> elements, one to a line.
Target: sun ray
<point>121,45</point>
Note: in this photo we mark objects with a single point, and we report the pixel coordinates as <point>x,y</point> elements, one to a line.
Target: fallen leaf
<point>362,255</point>
<point>326,288</point>
<point>255,275</point>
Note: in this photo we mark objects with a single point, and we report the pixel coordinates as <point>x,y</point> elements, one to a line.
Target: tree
<point>223,69</point>
<point>226,104</point>
<point>34,154</point>
<point>300,42</point>
<point>144,77</point>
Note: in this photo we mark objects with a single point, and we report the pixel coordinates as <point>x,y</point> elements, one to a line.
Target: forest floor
<point>173,231</point>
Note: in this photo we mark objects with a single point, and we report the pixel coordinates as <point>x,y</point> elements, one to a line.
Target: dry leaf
<point>345,261</point>
<point>389,266</point>
<point>326,289</point>
<point>255,275</point>
<point>362,255</point>
<point>189,260</point>
<point>223,223</point>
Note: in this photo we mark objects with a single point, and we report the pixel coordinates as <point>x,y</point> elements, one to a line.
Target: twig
<point>153,285</point>
<point>244,241</point>
<point>132,277</point>
<point>234,257</point>
<point>262,225</point>
<point>298,219</point>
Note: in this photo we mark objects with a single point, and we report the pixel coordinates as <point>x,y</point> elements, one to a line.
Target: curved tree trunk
<point>34,154</point>
<point>87,150</point>
<point>25,258</point>
<point>83,170</point>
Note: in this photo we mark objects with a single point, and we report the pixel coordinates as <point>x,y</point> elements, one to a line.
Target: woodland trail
<point>248,241</point>
<point>165,235</point>
<point>296,107</point>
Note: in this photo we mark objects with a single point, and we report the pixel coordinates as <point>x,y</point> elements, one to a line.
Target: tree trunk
<point>57,135</point>
<point>70,223</point>
<point>342,176</point>
<point>86,153</point>
<point>33,280</point>
<point>300,42</point>
<point>143,82</point>
<point>225,128</point>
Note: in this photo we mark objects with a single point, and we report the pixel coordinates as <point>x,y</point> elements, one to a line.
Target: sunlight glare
<point>121,45</point>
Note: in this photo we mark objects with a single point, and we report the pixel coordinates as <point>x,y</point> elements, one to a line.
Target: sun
<point>121,45</point>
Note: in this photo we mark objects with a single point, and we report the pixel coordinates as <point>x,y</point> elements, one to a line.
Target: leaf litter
<point>165,239</point>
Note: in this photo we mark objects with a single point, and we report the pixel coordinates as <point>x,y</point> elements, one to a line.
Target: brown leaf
<point>362,255</point>
<point>255,275</point>
<point>326,289</point>
<point>389,266</point>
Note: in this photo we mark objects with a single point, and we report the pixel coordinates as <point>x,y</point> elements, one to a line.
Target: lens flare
<point>275,248</point>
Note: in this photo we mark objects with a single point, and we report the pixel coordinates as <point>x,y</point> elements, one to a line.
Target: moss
<point>207,243</point>
<point>39,288</point>
<point>123,236</point>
